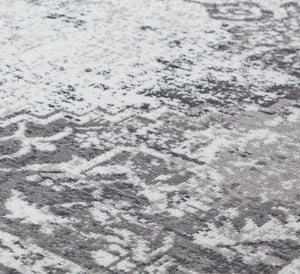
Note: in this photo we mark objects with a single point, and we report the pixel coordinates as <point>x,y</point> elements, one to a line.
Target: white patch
<point>292,268</point>
<point>20,209</point>
<point>125,266</point>
<point>215,236</point>
<point>32,178</point>
<point>104,258</point>
<point>13,250</point>
<point>101,211</point>
<point>272,230</point>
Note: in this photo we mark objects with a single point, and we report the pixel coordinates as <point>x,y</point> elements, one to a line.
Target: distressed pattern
<point>149,137</point>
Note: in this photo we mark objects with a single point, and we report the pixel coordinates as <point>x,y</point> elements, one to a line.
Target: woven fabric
<point>149,136</point>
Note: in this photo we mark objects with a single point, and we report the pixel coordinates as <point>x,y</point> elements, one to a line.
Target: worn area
<point>149,136</point>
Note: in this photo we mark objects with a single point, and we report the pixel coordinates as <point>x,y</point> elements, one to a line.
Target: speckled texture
<point>149,136</point>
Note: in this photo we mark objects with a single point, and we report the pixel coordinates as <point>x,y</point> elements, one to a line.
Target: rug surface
<point>149,136</point>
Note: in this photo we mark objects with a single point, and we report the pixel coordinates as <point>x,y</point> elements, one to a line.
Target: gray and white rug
<point>157,136</point>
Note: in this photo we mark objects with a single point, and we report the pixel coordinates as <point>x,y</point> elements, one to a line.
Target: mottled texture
<point>149,136</point>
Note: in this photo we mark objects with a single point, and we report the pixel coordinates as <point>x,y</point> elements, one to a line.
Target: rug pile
<point>150,136</point>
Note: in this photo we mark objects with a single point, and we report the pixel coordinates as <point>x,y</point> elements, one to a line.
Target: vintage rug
<point>158,136</point>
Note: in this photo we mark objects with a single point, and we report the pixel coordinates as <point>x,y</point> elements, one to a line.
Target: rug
<point>150,136</point>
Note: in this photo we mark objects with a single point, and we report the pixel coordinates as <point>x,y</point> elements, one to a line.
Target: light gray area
<point>156,137</point>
